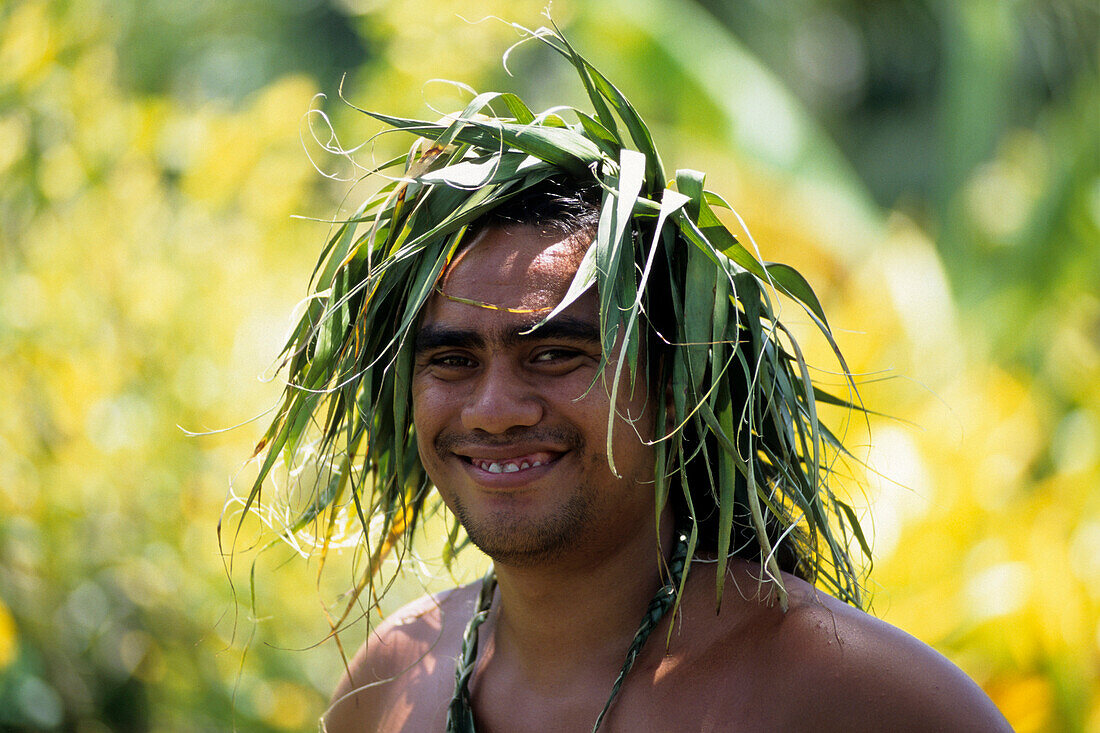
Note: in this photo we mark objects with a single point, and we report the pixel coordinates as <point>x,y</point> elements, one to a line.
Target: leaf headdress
<point>747,458</point>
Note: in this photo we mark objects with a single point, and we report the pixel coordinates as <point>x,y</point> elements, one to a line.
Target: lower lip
<point>505,481</point>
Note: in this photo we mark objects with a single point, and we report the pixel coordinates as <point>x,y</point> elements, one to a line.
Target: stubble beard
<point>525,542</point>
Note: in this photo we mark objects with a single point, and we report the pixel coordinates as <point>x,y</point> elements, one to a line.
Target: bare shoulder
<point>409,656</point>
<point>874,676</point>
<point>825,665</point>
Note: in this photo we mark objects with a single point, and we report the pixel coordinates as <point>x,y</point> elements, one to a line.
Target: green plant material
<point>348,359</point>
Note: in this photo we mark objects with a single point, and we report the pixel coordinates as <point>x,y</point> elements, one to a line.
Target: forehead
<point>508,269</point>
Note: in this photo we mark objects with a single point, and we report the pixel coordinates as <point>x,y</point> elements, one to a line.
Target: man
<point>514,440</point>
<point>600,393</point>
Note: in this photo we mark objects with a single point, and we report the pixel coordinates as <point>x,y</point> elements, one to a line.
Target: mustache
<point>560,437</point>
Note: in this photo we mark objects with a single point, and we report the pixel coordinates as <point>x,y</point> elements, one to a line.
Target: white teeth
<point>509,467</point>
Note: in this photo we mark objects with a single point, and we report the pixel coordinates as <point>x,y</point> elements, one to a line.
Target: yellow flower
<point>9,637</point>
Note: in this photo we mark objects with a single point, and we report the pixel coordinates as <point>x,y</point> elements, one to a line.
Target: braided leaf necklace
<point>460,717</point>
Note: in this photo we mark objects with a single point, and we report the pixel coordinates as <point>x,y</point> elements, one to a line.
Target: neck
<point>556,623</point>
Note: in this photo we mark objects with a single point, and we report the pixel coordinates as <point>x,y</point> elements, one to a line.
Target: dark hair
<point>560,204</point>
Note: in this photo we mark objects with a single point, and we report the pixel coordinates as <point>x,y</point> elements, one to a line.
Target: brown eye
<point>559,361</point>
<point>451,362</point>
<point>548,356</point>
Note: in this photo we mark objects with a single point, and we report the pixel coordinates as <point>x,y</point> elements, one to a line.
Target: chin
<point>524,541</point>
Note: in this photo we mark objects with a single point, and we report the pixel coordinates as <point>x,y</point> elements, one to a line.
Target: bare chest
<point>691,694</point>
<point>669,694</point>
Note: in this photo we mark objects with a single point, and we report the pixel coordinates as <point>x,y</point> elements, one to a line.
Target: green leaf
<point>727,473</point>
<point>618,270</point>
<point>854,524</point>
<point>563,147</point>
<point>791,282</point>
<point>478,172</point>
<point>599,134</point>
<point>603,93</point>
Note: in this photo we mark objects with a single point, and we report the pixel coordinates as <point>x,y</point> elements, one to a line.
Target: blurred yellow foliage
<point>28,45</point>
<point>9,637</point>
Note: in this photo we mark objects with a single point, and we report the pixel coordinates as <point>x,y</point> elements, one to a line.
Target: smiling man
<point>577,358</point>
<point>511,416</point>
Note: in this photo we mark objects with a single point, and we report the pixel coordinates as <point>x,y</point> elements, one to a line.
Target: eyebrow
<point>563,327</point>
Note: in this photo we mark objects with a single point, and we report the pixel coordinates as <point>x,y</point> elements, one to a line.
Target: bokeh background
<point>932,166</point>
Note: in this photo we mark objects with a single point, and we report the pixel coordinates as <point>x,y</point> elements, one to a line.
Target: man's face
<point>506,424</point>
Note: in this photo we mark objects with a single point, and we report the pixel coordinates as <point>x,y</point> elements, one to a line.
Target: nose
<point>501,399</point>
